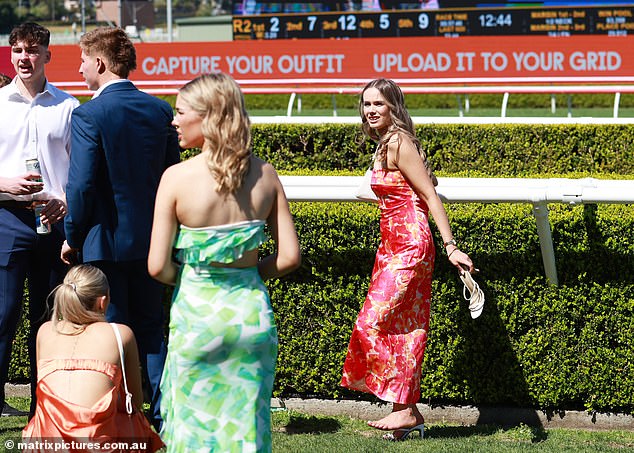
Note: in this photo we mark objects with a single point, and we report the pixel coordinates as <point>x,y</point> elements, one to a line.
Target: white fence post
<point>540,211</point>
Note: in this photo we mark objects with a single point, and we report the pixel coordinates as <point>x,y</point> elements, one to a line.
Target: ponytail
<point>76,298</point>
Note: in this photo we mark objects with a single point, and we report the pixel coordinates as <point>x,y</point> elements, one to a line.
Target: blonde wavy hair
<point>75,299</point>
<point>401,120</point>
<point>226,127</point>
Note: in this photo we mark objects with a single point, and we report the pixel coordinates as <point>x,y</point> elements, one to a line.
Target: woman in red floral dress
<point>388,340</point>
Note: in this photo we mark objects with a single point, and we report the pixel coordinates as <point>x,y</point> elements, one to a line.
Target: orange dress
<point>389,337</point>
<point>106,422</point>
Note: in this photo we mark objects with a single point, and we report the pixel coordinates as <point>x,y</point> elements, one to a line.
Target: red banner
<point>5,61</point>
<point>368,58</point>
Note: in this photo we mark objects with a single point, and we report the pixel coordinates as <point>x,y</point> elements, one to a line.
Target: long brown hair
<point>400,118</point>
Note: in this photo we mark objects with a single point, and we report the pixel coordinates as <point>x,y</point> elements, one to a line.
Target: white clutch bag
<point>365,192</point>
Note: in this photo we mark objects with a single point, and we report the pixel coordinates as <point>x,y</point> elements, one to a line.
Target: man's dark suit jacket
<point>121,142</point>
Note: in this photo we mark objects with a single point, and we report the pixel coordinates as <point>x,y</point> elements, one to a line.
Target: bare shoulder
<point>400,142</point>
<point>398,139</point>
<point>259,163</point>
<point>395,138</point>
<point>46,330</point>
<point>194,167</point>
<point>125,331</point>
<point>173,177</point>
<point>267,170</point>
<point>104,330</point>
<point>173,171</point>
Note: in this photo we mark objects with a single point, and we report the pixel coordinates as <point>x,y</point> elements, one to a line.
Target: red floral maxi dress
<point>388,340</point>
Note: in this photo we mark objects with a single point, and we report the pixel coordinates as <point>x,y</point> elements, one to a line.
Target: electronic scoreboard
<point>615,20</point>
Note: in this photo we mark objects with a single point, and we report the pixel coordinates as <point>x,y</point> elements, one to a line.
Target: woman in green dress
<point>209,220</point>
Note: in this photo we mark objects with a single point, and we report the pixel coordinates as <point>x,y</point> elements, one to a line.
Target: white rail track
<point>538,192</point>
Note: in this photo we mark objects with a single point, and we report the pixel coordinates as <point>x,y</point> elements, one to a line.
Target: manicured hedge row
<point>550,347</point>
<point>468,150</point>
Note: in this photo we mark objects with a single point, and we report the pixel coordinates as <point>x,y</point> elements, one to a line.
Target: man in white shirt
<point>34,124</point>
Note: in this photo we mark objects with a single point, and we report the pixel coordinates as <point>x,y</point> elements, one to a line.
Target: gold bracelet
<point>450,242</point>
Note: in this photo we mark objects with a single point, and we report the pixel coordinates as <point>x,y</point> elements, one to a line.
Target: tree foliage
<point>8,16</point>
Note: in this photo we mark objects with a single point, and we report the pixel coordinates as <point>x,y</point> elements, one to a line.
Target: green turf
<point>296,432</point>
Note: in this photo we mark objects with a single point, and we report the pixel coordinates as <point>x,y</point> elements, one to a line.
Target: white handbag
<point>365,192</point>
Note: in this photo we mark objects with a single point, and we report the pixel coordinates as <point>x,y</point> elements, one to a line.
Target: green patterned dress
<point>218,377</point>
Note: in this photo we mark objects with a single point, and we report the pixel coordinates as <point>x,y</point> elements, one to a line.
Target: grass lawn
<point>296,432</point>
<point>11,427</point>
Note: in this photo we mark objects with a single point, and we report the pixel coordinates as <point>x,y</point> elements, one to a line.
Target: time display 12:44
<point>495,20</point>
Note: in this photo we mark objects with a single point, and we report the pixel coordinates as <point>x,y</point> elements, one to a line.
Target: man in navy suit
<point>121,142</point>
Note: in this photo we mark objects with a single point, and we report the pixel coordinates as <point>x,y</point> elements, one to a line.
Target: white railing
<point>280,119</point>
<point>538,192</point>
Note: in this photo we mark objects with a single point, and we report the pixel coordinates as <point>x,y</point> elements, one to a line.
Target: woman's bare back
<point>97,342</point>
<point>199,205</point>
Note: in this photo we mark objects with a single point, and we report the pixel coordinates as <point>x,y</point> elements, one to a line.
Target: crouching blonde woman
<point>88,375</point>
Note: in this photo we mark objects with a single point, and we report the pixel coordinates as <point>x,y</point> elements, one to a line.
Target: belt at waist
<point>16,204</point>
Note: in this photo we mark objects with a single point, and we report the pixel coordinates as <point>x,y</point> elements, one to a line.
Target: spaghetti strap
<point>128,395</point>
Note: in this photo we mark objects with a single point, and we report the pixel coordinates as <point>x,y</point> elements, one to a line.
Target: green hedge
<point>535,344</point>
<point>465,150</point>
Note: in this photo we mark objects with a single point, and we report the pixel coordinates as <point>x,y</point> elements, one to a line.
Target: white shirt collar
<point>107,84</point>
<point>16,94</point>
